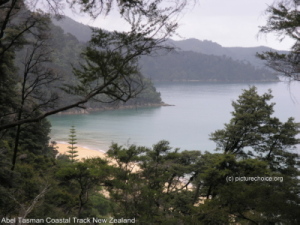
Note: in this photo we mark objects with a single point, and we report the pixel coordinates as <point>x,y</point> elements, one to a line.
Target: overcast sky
<point>230,23</point>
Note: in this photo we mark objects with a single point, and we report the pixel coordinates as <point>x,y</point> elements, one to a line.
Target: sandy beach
<point>90,153</point>
<point>82,151</point>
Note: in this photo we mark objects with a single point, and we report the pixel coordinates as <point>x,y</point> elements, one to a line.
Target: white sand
<point>82,151</point>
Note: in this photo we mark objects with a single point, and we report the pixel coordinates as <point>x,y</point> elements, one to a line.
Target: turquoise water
<point>200,109</point>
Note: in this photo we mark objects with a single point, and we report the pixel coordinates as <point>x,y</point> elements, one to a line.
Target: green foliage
<point>283,20</point>
<point>147,97</point>
<point>253,129</point>
<point>82,181</point>
<point>258,145</point>
<point>110,68</point>
<point>166,186</point>
<point>151,185</point>
<point>247,201</point>
<point>72,141</point>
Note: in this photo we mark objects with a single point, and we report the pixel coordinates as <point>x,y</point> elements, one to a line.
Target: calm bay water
<point>200,109</point>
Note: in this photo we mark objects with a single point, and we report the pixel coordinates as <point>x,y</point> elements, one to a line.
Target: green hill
<point>193,59</point>
<point>192,66</point>
<point>212,48</point>
<point>65,53</point>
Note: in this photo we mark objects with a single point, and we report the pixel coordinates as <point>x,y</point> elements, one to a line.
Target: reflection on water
<point>200,109</point>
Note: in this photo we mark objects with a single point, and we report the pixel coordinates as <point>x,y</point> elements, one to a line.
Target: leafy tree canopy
<point>283,20</point>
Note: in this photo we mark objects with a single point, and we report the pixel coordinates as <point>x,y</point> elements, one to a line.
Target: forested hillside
<point>65,52</point>
<point>193,60</point>
<point>246,54</point>
<point>192,66</point>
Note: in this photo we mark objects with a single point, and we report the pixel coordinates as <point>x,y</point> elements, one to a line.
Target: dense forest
<point>192,66</point>
<point>252,178</point>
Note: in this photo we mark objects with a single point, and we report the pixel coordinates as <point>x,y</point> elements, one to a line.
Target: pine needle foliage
<point>72,141</point>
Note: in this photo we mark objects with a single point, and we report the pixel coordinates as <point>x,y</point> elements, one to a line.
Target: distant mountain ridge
<point>210,56</point>
<point>193,66</point>
<point>213,48</point>
<point>83,33</point>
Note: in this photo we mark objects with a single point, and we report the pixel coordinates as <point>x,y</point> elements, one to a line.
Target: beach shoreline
<point>83,152</point>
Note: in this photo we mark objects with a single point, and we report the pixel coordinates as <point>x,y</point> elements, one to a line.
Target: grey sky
<point>229,23</point>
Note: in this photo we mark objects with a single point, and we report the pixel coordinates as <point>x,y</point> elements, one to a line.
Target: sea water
<point>199,109</point>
